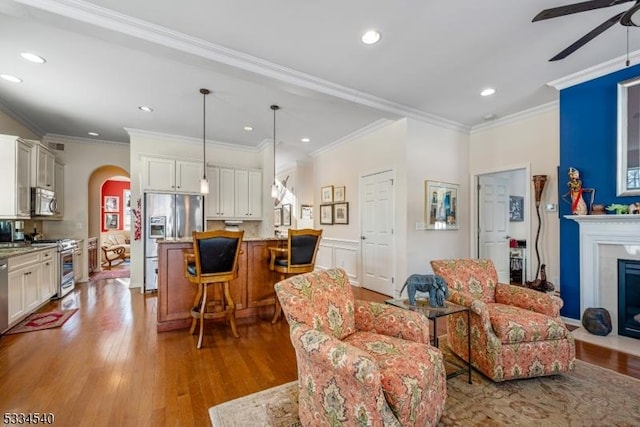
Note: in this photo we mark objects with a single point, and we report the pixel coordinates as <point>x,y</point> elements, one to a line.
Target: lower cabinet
<point>92,254</point>
<point>31,283</point>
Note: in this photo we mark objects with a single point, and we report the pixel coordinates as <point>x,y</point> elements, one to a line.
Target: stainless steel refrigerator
<point>168,216</point>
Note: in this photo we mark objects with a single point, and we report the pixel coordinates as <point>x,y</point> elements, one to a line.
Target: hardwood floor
<point>107,366</point>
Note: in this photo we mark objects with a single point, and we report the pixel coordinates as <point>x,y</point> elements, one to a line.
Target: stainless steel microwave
<point>43,202</point>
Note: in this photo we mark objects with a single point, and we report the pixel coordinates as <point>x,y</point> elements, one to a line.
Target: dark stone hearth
<point>597,321</point>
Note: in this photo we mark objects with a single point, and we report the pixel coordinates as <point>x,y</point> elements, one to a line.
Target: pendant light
<point>274,187</point>
<point>204,183</point>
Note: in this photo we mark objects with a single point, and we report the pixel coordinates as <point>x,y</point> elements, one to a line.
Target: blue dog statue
<point>432,283</point>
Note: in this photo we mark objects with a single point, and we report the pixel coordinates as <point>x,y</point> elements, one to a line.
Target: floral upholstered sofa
<point>515,332</point>
<point>360,363</point>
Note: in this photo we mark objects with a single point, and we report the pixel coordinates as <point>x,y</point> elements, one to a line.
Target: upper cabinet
<point>248,194</point>
<point>59,187</point>
<point>220,200</point>
<point>43,167</point>
<point>163,174</point>
<point>234,193</point>
<point>15,174</point>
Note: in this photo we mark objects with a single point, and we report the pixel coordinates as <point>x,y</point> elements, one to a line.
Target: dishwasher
<point>4,295</point>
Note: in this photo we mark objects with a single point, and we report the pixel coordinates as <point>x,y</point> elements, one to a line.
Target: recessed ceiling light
<point>33,57</point>
<point>248,128</point>
<point>488,91</point>
<point>10,78</point>
<point>305,140</point>
<point>145,109</point>
<point>371,37</point>
<point>93,133</point>
<point>489,117</point>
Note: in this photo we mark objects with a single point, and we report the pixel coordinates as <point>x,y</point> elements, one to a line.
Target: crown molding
<point>372,127</point>
<point>616,64</point>
<point>114,21</point>
<point>187,140</point>
<point>515,117</point>
<point>54,138</point>
<point>24,121</point>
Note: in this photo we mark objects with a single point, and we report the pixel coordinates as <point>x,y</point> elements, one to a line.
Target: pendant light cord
<point>628,62</point>
<point>274,108</point>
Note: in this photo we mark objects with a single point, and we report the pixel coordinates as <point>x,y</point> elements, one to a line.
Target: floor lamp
<point>538,184</point>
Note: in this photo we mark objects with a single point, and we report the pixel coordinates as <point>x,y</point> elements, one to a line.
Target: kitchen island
<point>252,291</point>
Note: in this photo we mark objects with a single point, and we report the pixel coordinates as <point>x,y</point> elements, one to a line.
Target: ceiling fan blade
<point>588,37</point>
<point>626,18</point>
<point>576,8</point>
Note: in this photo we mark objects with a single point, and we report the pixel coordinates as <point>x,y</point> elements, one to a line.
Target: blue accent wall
<point>588,141</point>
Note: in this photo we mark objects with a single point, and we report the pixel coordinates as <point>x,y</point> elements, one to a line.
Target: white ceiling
<point>107,57</point>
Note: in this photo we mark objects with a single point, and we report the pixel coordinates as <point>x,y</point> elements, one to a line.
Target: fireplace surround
<point>604,239</point>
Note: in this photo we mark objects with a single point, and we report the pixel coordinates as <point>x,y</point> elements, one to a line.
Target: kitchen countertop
<point>11,252</point>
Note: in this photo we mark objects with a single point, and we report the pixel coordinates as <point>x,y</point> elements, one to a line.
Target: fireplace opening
<point>629,298</point>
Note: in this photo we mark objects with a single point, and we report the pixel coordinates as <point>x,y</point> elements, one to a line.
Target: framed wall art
<point>341,213</point>
<point>326,214</point>
<point>306,212</point>
<point>126,201</point>
<point>339,194</point>
<point>277,217</point>
<point>516,208</point>
<point>286,214</point>
<point>111,204</point>
<point>441,205</point>
<point>326,194</point>
<point>111,221</point>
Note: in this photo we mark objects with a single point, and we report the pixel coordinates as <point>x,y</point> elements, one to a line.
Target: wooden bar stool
<point>299,257</point>
<point>213,261</point>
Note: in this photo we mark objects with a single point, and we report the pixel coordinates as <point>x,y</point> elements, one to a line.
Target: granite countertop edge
<point>6,253</point>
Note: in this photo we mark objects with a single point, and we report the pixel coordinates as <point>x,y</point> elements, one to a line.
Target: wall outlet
<point>551,207</point>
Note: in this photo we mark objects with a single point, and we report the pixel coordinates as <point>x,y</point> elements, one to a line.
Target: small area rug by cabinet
<point>111,274</point>
<point>39,321</point>
<point>588,396</point>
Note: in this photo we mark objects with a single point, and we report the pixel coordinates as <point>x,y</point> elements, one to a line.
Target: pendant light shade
<point>274,186</point>
<point>204,183</point>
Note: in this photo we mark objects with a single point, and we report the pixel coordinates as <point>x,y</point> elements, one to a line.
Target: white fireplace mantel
<point>597,230</point>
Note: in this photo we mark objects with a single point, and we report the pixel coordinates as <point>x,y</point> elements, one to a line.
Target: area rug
<point>588,396</point>
<point>40,321</point>
<point>111,274</point>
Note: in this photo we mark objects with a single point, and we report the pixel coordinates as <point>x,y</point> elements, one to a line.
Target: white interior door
<point>493,223</point>
<point>377,219</point>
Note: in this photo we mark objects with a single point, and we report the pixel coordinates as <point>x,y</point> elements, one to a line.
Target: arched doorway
<point>95,203</point>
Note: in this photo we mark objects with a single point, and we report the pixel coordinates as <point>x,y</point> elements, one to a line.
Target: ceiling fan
<point>629,18</point>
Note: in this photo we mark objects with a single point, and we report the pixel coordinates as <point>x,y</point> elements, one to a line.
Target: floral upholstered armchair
<point>360,363</point>
<point>515,332</point>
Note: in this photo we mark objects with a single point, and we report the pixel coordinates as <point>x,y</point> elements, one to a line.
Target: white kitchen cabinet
<point>164,174</point>
<point>43,167</point>
<point>78,262</point>
<point>248,194</point>
<point>221,197</point>
<point>24,282</point>
<point>15,175</point>
<point>48,275</point>
<point>59,187</point>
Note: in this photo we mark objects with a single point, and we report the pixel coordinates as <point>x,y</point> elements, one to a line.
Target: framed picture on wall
<point>111,204</point>
<point>277,217</point>
<point>441,205</point>
<point>306,211</point>
<point>326,214</point>
<point>126,201</point>
<point>326,194</point>
<point>516,208</point>
<point>341,213</point>
<point>111,221</point>
<point>339,194</point>
<point>286,214</point>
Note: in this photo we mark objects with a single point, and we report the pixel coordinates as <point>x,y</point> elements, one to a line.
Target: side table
<point>433,314</point>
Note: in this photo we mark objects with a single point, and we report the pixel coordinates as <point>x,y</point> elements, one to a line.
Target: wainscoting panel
<point>340,253</point>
